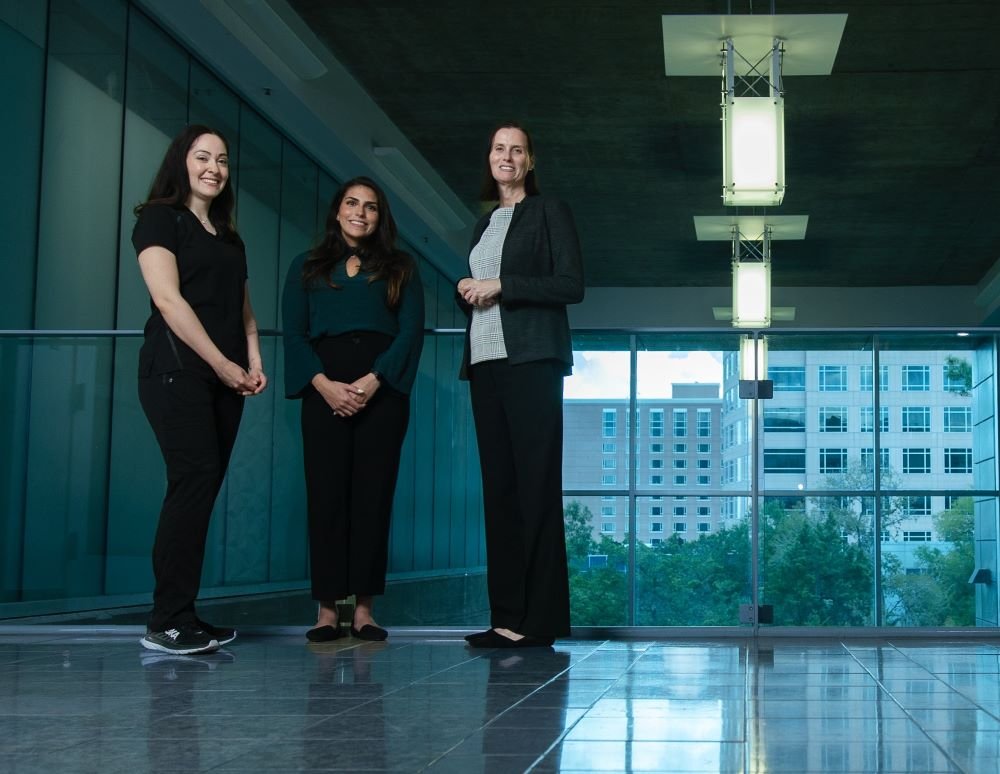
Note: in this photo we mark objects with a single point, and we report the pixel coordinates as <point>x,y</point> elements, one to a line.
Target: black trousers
<point>519,428</point>
<point>195,419</point>
<point>351,466</point>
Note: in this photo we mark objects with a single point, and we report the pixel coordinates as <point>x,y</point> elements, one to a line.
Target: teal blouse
<point>359,305</point>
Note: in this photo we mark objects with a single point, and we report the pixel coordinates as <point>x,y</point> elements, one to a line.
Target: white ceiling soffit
<point>692,44</point>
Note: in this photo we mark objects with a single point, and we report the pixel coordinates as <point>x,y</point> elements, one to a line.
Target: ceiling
<point>893,157</point>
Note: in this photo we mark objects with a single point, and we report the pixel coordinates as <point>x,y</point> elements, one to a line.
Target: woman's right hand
<point>346,400</point>
<point>236,377</point>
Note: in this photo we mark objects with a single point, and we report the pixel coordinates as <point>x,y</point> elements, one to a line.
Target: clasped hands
<point>246,382</point>
<point>481,293</point>
<point>345,399</point>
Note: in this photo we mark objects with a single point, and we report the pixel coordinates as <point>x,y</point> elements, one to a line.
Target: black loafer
<point>370,632</point>
<point>324,634</point>
<point>494,639</point>
<point>477,635</point>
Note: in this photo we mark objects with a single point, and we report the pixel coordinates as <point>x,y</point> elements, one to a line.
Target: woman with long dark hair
<point>353,312</point>
<point>200,358</point>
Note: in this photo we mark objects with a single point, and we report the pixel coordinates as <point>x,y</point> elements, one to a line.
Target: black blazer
<point>541,271</point>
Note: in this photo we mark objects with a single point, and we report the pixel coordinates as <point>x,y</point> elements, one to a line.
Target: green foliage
<point>958,369</point>
<point>940,595</point>
<point>816,569</point>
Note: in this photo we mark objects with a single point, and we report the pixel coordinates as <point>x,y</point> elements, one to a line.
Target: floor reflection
<point>95,702</point>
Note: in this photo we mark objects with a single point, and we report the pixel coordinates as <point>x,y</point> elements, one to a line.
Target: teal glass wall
<point>96,90</point>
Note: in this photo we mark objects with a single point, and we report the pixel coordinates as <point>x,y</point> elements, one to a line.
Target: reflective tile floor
<point>94,701</point>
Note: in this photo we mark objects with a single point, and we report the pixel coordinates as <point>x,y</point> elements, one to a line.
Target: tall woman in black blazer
<point>526,267</point>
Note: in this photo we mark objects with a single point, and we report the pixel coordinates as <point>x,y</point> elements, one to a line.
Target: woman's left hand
<point>259,378</point>
<point>481,293</point>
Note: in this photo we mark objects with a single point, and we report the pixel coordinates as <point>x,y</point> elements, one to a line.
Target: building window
<point>704,423</point>
<point>609,464</point>
<point>868,419</point>
<point>957,419</point>
<point>866,378</point>
<point>680,464</point>
<point>916,419</point>
<point>917,536</point>
<point>656,423</point>
<point>656,480</point>
<point>958,460</point>
<point>656,464</point>
<point>653,542</point>
<point>916,378</point>
<point>680,497</point>
<point>609,423</point>
<point>704,448</point>
<point>680,448</point>
<point>832,460</point>
<point>916,460</point>
<point>609,479</point>
<point>656,448</point>
<point>950,500</point>
<point>680,480</point>
<point>704,511</point>
<point>704,526</point>
<point>832,378</point>
<point>609,448</point>
<point>607,510</point>
<point>704,480</point>
<point>680,423</point>
<point>784,420</point>
<point>607,527</point>
<point>787,378</point>
<point>656,510</point>
<point>680,526</point>
<point>704,464</point>
<point>784,460</point>
<point>917,506</point>
<point>609,499</point>
<point>656,526</point>
<point>680,510</point>
<point>833,419</point>
<point>868,458</point>
<point>952,381</point>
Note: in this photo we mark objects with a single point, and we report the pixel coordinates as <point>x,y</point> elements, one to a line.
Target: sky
<point>606,374</point>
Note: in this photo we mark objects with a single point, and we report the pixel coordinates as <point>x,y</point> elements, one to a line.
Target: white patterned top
<point>486,335</point>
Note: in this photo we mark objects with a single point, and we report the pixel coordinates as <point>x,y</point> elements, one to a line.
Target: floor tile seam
<point>492,720</point>
<point>905,711</point>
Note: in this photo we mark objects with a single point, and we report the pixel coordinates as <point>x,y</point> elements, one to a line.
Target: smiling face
<point>208,167</point>
<point>358,214</point>
<point>510,157</point>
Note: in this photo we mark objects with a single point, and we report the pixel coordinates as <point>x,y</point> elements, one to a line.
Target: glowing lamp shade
<point>751,294</point>
<point>753,151</point>
<point>753,358</point>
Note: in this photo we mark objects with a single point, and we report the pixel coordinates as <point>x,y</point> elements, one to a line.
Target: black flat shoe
<point>324,634</point>
<point>370,632</point>
<point>477,635</point>
<point>493,639</point>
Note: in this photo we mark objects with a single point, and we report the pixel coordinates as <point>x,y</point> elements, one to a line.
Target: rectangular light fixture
<point>753,358</point>
<point>753,151</point>
<point>753,131</point>
<point>751,294</point>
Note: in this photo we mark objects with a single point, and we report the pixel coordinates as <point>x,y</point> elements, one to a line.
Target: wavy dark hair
<point>488,190</point>
<point>380,258</point>
<point>172,185</point>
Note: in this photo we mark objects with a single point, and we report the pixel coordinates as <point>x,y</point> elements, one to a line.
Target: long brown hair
<point>488,191</point>
<point>172,186</point>
<point>378,253</point>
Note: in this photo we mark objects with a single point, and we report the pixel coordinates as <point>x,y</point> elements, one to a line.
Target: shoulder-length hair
<point>380,258</point>
<point>172,185</point>
<point>488,191</point>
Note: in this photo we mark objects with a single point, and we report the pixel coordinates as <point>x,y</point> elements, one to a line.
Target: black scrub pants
<point>519,429</point>
<point>195,419</point>
<point>351,466</point>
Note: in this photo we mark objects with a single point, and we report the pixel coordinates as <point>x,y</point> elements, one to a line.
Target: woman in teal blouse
<point>353,313</point>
